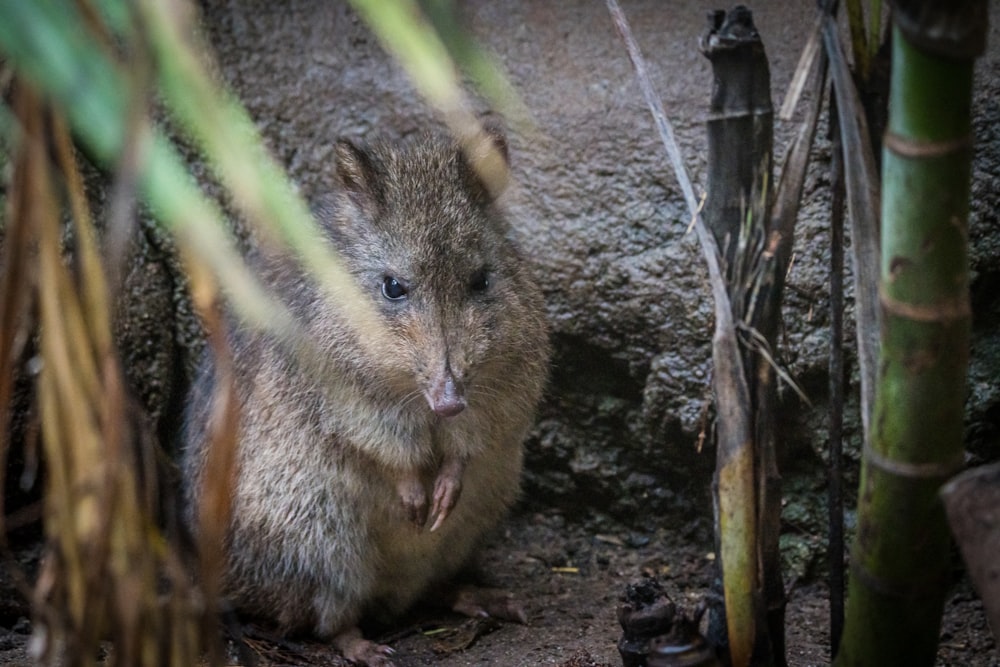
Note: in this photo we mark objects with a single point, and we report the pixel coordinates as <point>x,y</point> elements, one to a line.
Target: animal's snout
<point>446,396</point>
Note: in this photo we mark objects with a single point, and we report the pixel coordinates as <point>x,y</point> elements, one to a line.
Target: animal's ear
<point>357,173</point>
<point>487,155</point>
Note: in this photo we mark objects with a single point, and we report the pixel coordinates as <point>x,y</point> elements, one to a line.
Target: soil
<point>570,578</point>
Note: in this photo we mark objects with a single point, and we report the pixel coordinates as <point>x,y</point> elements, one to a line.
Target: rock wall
<point>601,215</point>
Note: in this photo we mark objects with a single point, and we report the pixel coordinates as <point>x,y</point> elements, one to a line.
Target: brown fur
<point>336,478</point>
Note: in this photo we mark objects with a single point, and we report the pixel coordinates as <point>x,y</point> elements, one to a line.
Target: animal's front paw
<point>447,489</point>
<point>414,499</point>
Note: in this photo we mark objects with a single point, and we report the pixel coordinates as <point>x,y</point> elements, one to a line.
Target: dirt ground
<point>570,578</point>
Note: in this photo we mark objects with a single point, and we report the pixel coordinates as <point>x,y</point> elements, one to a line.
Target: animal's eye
<point>392,289</point>
<point>480,281</point>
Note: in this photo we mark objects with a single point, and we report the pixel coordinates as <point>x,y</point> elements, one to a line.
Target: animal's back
<point>345,469</point>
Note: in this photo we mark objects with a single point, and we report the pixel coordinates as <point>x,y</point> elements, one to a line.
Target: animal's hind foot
<point>473,601</point>
<point>356,648</point>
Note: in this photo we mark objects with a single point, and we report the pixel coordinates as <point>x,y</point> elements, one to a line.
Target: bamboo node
<point>942,311</point>
<point>909,470</point>
<point>917,150</point>
<point>915,590</point>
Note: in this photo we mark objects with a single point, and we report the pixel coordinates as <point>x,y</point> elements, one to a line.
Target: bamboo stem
<point>899,559</point>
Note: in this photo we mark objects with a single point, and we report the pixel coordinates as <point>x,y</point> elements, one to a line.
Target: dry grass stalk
<point>107,562</point>
<point>221,465</point>
<point>16,317</point>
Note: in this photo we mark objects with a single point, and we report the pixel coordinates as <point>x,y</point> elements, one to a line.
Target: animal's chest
<point>411,557</point>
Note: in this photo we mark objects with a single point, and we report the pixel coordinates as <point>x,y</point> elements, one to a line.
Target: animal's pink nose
<point>446,397</point>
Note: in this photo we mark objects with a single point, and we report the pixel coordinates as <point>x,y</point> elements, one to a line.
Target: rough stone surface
<point>602,217</point>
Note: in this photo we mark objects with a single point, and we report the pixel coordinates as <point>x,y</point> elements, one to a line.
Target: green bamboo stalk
<point>900,555</point>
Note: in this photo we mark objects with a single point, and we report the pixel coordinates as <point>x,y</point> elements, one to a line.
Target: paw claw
<point>447,489</point>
